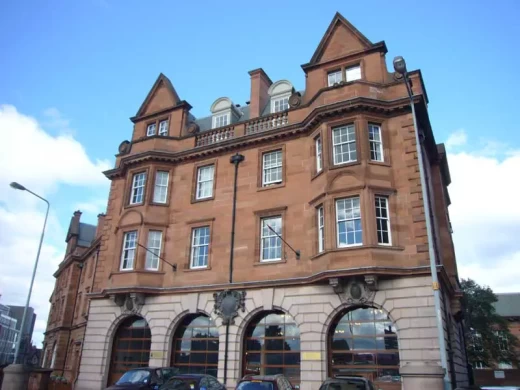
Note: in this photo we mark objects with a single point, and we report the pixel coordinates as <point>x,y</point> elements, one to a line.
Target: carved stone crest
<point>356,291</point>
<point>124,147</point>
<point>228,303</point>
<point>193,128</point>
<point>129,303</point>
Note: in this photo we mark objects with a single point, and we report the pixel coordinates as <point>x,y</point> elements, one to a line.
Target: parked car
<point>344,382</point>
<point>192,382</point>
<point>144,378</point>
<point>264,382</point>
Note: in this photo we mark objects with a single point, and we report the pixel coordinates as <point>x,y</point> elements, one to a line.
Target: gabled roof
<point>161,79</point>
<point>338,19</point>
<point>87,233</point>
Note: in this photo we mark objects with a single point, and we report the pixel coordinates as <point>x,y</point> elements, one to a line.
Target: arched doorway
<point>130,348</point>
<point>272,346</point>
<point>363,341</point>
<point>195,346</point>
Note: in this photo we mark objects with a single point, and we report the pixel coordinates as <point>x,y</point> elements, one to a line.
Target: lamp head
<point>400,65</point>
<point>17,186</point>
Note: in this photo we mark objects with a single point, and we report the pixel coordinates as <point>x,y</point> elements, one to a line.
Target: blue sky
<point>81,69</point>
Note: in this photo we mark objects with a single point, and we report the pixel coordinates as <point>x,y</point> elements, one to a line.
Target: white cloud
<point>458,138</point>
<point>42,163</point>
<point>485,213</point>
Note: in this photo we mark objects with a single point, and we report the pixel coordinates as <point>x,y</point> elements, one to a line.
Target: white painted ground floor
<point>385,330</point>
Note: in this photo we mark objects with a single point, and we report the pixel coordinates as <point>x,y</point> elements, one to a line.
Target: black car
<point>192,382</point>
<point>144,378</point>
<point>347,383</point>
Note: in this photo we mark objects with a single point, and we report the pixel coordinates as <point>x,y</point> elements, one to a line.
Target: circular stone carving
<point>124,147</point>
<point>129,304</point>
<point>193,128</point>
<point>295,100</point>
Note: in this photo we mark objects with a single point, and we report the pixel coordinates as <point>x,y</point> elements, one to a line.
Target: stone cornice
<point>315,118</point>
<point>315,278</point>
<point>77,258</point>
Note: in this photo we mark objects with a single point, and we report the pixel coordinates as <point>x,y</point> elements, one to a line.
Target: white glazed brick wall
<point>409,302</point>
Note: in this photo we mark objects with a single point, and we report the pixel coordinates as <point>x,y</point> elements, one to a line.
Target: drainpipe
<point>235,159</point>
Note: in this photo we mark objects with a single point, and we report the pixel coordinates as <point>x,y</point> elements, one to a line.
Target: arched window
<point>195,346</point>
<point>54,351</point>
<point>130,348</point>
<point>363,341</point>
<point>272,346</point>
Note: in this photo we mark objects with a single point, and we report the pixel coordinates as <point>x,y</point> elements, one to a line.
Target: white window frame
<point>204,184</point>
<point>321,229</point>
<point>196,245</point>
<point>353,73</point>
<point>479,366</point>
<point>129,250</point>
<point>375,146</point>
<point>160,185</point>
<point>341,144</point>
<point>505,366</point>
<point>319,154</point>
<point>138,188</point>
<point>501,338</point>
<point>353,218</point>
<point>276,166</point>
<point>221,119</point>
<point>154,245</point>
<point>334,77</point>
<point>150,129</point>
<point>283,103</point>
<point>267,234</point>
<point>163,128</point>
<point>381,203</point>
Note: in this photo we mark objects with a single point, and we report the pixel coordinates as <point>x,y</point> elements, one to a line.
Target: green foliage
<point>485,330</point>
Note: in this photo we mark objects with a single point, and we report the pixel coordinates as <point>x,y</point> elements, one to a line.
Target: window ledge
<point>129,206</point>
<point>269,262</point>
<point>271,187</point>
<point>380,163</point>
<point>316,174</point>
<point>357,247</point>
<point>138,271</point>
<point>159,204</point>
<point>344,165</point>
<point>194,200</point>
<point>197,269</point>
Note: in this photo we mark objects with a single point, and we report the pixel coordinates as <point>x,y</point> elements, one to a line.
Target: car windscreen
<point>134,376</point>
<point>255,385</point>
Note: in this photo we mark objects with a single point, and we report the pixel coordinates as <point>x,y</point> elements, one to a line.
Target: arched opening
<point>272,346</point>
<point>130,348</point>
<point>195,346</point>
<point>363,341</point>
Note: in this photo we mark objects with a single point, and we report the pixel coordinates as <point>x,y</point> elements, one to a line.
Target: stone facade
<point>312,280</point>
<point>408,301</point>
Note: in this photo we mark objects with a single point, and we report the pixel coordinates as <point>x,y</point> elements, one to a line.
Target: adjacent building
<point>26,342</point>
<point>8,335</point>
<point>69,303</point>
<point>503,373</point>
<point>283,235</point>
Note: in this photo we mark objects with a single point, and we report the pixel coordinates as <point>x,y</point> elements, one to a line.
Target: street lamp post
<point>20,187</point>
<point>400,67</point>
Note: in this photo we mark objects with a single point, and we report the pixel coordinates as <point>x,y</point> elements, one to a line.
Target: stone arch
<point>388,339</point>
<point>222,103</point>
<point>280,87</point>
<point>186,344</point>
<point>130,217</point>
<point>352,180</point>
<point>110,337</point>
<point>260,346</point>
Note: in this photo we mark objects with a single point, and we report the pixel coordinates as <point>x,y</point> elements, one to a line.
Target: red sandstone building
<point>327,269</point>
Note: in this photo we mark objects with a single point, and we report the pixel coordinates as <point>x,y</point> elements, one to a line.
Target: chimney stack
<point>100,224</point>
<point>260,83</point>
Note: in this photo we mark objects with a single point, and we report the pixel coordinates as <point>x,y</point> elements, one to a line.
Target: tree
<point>488,337</point>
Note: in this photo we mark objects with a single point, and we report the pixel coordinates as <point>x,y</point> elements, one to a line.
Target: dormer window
<point>150,130</point>
<point>220,120</point>
<point>334,77</point>
<point>280,93</point>
<point>223,113</point>
<point>163,128</point>
<point>353,73</point>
